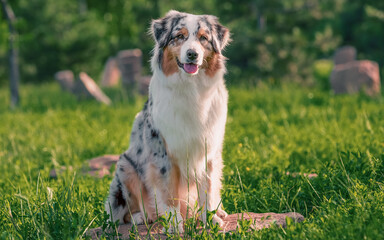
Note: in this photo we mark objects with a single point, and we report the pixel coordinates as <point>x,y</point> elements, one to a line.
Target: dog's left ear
<point>221,36</point>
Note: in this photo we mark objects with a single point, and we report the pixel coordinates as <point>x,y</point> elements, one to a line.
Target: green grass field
<point>270,131</point>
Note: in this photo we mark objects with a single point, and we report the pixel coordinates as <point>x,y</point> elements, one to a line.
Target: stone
<point>96,167</point>
<point>130,65</point>
<point>66,80</point>
<point>356,76</point>
<point>344,55</point>
<point>258,221</point>
<point>144,85</point>
<point>111,73</point>
<point>100,166</point>
<point>86,87</point>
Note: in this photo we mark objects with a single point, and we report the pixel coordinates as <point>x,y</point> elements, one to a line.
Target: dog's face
<point>189,43</point>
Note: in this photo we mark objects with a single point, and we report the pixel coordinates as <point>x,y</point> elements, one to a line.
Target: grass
<point>270,131</point>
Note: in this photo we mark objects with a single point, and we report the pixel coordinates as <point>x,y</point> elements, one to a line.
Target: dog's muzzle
<point>190,68</point>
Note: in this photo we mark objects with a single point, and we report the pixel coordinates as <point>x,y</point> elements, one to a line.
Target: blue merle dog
<point>175,154</point>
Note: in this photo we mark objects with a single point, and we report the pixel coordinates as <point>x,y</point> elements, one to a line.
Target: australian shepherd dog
<point>175,154</point>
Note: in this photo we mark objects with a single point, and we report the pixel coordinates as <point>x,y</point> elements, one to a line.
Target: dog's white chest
<point>192,124</point>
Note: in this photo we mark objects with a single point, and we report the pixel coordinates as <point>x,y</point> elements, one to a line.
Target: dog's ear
<point>160,28</point>
<point>221,36</point>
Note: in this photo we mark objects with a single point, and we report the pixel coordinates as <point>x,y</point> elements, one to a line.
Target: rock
<point>130,65</point>
<point>100,166</point>
<point>344,55</point>
<point>86,87</point>
<point>66,80</point>
<point>356,76</point>
<point>144,85</point>
<point>96,167</point>
<point>259,221</point>
<point>111,74</point>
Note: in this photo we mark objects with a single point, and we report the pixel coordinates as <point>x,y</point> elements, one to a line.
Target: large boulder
<point>356,76</point>
<point>130,65</point>
<point>344,55</point>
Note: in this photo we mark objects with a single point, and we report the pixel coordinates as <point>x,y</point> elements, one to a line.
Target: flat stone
<point>356,76</point>
<point>100,166</point>
<point>66,80</point>
<point>111,73</point>
<point>344,55</point>
<point>96,167</point>
<point>86,87</point>
<point>258,221</point>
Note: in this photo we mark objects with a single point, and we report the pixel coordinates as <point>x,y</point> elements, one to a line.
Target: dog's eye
<point>179,37</point>
<point>203,39</point>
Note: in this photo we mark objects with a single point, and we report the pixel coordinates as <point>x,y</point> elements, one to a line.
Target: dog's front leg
<point>215,174</point>
<point>171,212</point>
<point>209,194</point>
<point>164,184</point>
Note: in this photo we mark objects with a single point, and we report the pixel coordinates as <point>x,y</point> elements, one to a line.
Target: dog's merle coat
<point>147,147</point>
<point>178,135</point>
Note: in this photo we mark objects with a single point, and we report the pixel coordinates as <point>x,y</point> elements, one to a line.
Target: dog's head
<point>189,43</point>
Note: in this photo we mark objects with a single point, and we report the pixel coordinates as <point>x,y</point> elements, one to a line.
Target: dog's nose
<point>192,54</point>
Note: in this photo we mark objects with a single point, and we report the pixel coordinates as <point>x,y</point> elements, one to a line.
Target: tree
<point>278,40</point>
<point>59,35</point>
<point>13,54</point>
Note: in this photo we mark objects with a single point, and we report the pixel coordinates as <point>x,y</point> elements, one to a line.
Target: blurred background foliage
<point>273,40</point>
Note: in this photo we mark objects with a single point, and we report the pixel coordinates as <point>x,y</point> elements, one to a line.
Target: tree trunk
<point>13,55</point>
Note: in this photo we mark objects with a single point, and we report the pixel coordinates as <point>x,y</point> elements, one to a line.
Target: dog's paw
<point>137,218</point>
<point>221,213</point>
<point>175,225</point>
<point>217,220</point>
<point>174,228</point>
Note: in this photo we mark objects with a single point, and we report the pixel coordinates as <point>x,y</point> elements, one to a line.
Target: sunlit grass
<point>270,131</point>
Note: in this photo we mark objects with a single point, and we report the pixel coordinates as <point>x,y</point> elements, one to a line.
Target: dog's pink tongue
<point>190,67</point>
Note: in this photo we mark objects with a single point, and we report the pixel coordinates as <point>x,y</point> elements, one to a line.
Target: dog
<point>175,154</point>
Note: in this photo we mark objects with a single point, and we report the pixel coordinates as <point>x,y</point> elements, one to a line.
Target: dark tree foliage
<point>272,40</point>
<point>55,35</point>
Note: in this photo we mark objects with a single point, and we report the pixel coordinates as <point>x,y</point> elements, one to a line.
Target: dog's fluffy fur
<point>174,158</point>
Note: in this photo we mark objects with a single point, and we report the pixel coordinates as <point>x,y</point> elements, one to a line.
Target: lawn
<point>270,131</point>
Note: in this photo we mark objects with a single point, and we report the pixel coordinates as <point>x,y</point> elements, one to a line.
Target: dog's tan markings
<point>212,64</point>
<point>201,33</point>
<point>179,37</point>
<point>169,154</point>
<point>184,32</point>
<point>140,198</point>
<point>169,63</point>
<point>156,180</point>
<point>174,198</point>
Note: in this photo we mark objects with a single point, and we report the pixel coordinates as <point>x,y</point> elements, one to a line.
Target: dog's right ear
<point>160,28</point>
